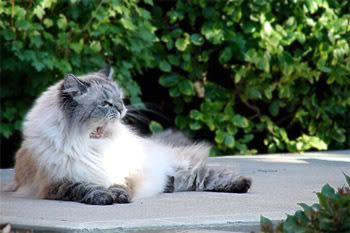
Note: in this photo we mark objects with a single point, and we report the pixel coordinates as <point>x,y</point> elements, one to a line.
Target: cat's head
<point>92,102</point>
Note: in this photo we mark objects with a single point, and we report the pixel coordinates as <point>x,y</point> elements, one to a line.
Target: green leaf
<point>48,22</point>
<point>267,28</point>
<point>247,138</point>
<point>240,121</point>
<point>229,141</point>
<point>181,122</point>
<point>10,113</point>
<point>174,92</point>
<point>259,58</point>
<point>182,43</point>
<point>312,6</point>
<point>347,178</point>
<point>253,93</point>
<point>266,225</point>
<point>174,60</point>
<point>196,125</point>
<point>213,32</point>
<point>36,41</point>
<point>301,217</point>
<point>62,22</point>
<point>6,130</point>
<point>264,62</point>
<point>323,200</point>
<point>291,225</point>
<point>274,108</point>
<point>149,2</point>
<point>22,24</point>
<point>165,66</point>
<point>39,65</point>
<point>338,134</point>
<point>309,212</point>
<point>197,39</point>
<point>77,46</point>
<point>219,136</point>
<point>39,12</point>
<point>96,46</point>
<point>127,24</point>
<point>328,191</point>
<point>18,125</point>
<point>169,80</point>
<point>186,87</point>
<point>196,115</point>
<point>315,142</point>
<point>155,127</point>
<point>225,55</point>
<point>268,92</point>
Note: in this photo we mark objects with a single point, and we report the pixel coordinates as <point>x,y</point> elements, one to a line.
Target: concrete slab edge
<point>231,226</point>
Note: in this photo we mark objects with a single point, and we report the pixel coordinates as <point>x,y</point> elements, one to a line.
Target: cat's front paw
<point>98,197</point>
<point>120,194</point>
<point>242,184</point>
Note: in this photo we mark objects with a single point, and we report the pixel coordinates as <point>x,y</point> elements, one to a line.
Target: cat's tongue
<point>98,132</point>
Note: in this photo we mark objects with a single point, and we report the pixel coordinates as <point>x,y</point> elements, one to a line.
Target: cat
<point>76,148</point>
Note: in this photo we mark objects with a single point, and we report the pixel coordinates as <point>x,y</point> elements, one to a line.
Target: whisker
<point>139,117</point>
<point>145,108</point>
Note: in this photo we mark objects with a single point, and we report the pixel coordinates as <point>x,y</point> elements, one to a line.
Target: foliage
<point>263,72</point>
<point>331,214</point>
<point>268,75</point>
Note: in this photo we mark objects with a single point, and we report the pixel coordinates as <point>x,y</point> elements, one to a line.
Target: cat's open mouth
<point>98,132</point>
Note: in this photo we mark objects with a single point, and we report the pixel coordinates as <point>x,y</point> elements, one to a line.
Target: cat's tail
<point>214,179</point>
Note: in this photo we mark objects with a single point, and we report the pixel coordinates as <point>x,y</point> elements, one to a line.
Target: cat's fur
<point>75,147</point>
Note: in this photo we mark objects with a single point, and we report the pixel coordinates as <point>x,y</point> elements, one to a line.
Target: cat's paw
<point>98,197</point>
<point>170,185</point>
<point>242,184</point>
<point>120,194</point>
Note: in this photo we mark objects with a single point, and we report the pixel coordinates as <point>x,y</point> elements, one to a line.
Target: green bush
<point>268,75</point>
<point>331,214</point>
<point>275,73</point>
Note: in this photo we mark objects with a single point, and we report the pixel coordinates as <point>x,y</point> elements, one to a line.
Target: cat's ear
<point>107,72</point>
<point>73,86</point>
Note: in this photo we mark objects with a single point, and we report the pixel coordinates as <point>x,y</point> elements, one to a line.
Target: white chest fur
<point>130,156</point>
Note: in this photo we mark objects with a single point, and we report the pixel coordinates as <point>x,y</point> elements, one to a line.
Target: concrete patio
<point>279,182</point>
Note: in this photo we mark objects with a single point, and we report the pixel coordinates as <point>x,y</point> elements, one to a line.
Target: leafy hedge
<point>250,75</point>
<point>331,214</point>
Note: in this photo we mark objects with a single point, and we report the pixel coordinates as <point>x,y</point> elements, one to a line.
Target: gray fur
<point>88,193</point>
<point>121,194</point>
<point>94,98</point>
<point>211,179</point>
<point>170,185</point>
<point>106,72</point>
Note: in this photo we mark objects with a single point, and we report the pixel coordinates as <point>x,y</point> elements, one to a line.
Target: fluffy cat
<point>76,148</point>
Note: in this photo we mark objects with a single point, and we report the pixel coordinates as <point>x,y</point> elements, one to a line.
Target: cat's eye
<point>106,104</point>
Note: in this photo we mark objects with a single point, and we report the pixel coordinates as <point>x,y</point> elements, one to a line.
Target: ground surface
<point>279,183</point>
